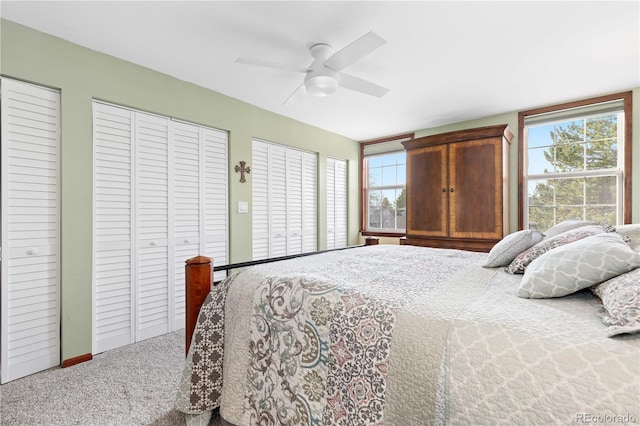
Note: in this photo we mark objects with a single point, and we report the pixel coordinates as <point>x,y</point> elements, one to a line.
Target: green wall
<point>82,75</point>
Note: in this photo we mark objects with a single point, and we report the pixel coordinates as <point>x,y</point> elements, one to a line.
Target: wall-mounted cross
<point>243,169</point>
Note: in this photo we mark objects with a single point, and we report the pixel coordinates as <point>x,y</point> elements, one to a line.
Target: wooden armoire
<point>458,188</point>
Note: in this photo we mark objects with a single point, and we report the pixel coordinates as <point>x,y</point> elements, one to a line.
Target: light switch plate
<point>243,207</point>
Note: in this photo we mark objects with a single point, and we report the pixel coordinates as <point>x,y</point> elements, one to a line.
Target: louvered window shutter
<point>30,318</point>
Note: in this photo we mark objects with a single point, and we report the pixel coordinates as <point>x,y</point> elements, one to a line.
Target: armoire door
<point>30,272</point>
<point>427,191</point>
<point>475,197</point>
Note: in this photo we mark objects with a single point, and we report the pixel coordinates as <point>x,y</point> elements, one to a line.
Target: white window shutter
<point>30,319</point>
<point>113,210</point>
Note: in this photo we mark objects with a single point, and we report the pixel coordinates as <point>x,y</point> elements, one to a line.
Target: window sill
<point>382,234</point>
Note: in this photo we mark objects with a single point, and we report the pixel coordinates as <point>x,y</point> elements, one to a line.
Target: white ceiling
<point>443,62</point>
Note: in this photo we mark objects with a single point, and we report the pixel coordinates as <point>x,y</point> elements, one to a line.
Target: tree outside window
<point>386,192</point>
<point>573,170</point>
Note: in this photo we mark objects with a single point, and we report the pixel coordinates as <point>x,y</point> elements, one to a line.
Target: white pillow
<point>581,264</point>
<point>567,225</point>
<point>512,245</point>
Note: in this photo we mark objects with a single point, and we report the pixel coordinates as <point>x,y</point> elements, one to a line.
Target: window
<point>384,180</point>
<point>576,162</point>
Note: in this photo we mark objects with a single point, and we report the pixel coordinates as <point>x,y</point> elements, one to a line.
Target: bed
<point>404,335</point>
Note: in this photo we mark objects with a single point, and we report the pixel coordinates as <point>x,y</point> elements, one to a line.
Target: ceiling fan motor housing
<point>320,80</point>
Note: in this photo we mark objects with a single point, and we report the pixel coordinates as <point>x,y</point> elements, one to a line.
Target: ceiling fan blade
<point>359,85</point>
<point>355,51</point>
<point>269,64</point>
<point>295,96</point>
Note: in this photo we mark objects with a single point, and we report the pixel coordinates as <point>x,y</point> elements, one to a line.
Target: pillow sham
<point>567,225</point>
<point>581,264</point>
<point>632,232</point>
<point>521,261</point>
<point>620,303</point>
<point>510,246</point>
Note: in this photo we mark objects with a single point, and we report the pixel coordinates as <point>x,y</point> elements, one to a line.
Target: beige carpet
<point>133,385</point>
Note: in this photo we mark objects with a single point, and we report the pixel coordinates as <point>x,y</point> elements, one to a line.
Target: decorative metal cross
<point>243,169</point>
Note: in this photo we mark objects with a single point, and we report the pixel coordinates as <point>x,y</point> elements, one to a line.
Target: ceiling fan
<point>324,75</point>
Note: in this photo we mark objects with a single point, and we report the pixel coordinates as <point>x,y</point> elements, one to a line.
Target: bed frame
<point>199,280</point>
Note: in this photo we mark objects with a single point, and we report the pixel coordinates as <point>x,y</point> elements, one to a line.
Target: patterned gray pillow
<point>520,263</point>
<point>512,245</point>
<point>567,225</point>
<point>581,264</point>
<point>621,303</point>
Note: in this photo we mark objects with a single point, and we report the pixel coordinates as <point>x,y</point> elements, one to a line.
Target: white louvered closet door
<point>216,205</point>
<point>278,212</point>
<point>152,196</point>
<point>186,206</point>
<point>309,202</point>
<point>294,223</point>
<point>284,200</point>
<point>331,201</point>
<point>160,198</point>
<point>114,208</point>
<point>199,202</point>
<point>260,199</point>
<point>336,203</point>
<point>30,272</point>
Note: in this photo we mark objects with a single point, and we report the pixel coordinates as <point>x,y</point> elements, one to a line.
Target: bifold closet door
<point>284,198</point>
<point>153,301</point>
<point>114,208</point>
<point>30,272</point>
<point>200,213</point>
<point>160,198</point>
<point>131,227</point>
<point>336,203</point>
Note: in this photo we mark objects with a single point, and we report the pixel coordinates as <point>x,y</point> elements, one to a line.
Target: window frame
<point>627,192</point>
<point>364,211</point>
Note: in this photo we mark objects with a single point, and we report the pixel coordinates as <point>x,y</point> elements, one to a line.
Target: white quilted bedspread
<point>464,350</point>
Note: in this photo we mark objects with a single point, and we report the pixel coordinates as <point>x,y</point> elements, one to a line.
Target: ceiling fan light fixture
<point>321,85</point>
